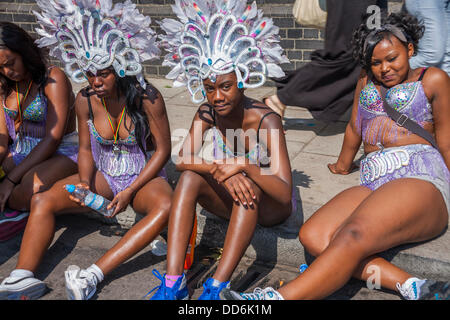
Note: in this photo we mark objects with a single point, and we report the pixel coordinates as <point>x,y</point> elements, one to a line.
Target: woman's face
<point>103,83</point>
<point>11,65</point>
<point>389,64</point>
<point>223,95</point>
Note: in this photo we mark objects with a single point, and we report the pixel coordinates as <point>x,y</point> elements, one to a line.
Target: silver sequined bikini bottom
<point>418,161</point>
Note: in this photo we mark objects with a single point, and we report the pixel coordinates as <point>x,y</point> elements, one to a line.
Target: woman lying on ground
<point>235,185</point>
<point>404,195</point>
<point>124,145</point>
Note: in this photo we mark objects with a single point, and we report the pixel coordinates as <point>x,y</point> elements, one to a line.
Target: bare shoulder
<point>81,101</point>
<point>435,81</point>
<point>435,76</point>
<point>57,75</point>
<point>153,102</point>
<point>258,115</point>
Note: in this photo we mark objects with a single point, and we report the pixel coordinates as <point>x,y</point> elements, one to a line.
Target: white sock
<point>22,273</point>
<point>97,271</point>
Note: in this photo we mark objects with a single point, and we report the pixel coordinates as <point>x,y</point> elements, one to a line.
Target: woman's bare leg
<point>39,179</point>
<point>191,187</point>
<point>401,211</point>
<point>40,228</point>
<point>316,234</point>
<point>153,200</point>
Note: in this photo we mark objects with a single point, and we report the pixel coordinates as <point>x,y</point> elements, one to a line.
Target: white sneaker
<point>80,284</point>
<point>410,290</point>
<point>268,293</point>
<point>21,288</point>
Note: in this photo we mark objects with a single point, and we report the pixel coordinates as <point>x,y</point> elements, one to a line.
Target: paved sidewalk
<point>275,253</point>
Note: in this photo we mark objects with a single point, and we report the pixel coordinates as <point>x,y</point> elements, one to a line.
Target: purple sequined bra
<point>33,130</point>
<point>373,123</point>
<point>120,168</point>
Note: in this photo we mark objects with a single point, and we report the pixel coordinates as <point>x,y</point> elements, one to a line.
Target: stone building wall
<point>298,41</point>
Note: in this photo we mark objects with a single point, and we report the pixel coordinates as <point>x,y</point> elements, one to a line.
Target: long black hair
<point>16,39</point>
<point>408,24</point>
<point>129,86</point>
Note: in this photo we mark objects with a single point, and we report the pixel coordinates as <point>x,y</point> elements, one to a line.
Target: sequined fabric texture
<point>418,161</point>
<point>373,123</point>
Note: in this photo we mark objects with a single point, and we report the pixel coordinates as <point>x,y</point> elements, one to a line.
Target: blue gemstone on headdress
<point>122,73</point>
<point>88,55</point>
<point>240,85</point>
<point>210,61</point>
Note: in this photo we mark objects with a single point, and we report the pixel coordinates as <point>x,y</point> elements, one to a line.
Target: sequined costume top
<point>33,129</point>
<point>120,168</point>
<point>408,98</point>
<point>34,117</point>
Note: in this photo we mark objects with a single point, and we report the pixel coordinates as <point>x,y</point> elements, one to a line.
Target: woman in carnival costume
<point>124,137</point>
<point>37,124</point>
<point>218,49</point>
<point>404,194</point>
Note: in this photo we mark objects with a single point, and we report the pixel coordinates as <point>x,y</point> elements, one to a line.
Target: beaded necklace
<point>24,98</point>
<point>115,149</point>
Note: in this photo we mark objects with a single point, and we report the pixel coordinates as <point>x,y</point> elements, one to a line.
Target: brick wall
<point>299,42</point>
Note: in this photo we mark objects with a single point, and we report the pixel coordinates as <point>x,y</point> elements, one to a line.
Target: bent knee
<point>189,178</point>
<point>42,199</point>
<point>313,240</point>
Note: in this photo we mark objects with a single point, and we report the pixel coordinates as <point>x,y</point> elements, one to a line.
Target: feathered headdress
<point>214,37</point>
<point>91,35</point>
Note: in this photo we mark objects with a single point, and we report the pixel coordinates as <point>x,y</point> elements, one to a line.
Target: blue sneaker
<point>179,291</point>
<point>211,291</point>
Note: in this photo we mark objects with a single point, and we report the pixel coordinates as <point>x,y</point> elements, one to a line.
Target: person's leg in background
<point>432,46</point>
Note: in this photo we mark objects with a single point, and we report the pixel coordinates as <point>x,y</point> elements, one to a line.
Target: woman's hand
<point>80,185</point>
<point>239,187</point>
<point>121,201</point>
<point>337,169</point>
<point>223,171</point>
<point>6,187</point>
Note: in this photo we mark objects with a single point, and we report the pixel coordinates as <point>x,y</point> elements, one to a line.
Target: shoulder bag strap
<point>404,121</point>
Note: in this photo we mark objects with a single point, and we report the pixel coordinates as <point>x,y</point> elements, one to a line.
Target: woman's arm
<point>437,87</point>
<point>188,158</point>
<point>275,180</point>
<point>155,109</point>
<point>352,139</point>
<point>58,92</point>
<point>4,134</point>
<point>86,165</point>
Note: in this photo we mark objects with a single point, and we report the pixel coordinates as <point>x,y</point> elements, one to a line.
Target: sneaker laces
<point>268,293</point>
<point>408,290</point>
<point>84,279</point>
<point>162,286</point>
<point>257,294</point>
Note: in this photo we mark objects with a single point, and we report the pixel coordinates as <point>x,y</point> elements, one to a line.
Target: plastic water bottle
<point>90,199</point>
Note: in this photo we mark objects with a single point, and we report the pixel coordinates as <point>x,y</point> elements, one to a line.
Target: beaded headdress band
<point>215,37</point>
<point>396,31</point>
<point>91,35</point>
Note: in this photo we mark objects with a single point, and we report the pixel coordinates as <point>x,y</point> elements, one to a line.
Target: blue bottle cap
<point>70,188</point>
<point>303,267</point>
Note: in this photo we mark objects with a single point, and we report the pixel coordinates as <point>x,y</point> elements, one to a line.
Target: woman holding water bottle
<point>124,141</point>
